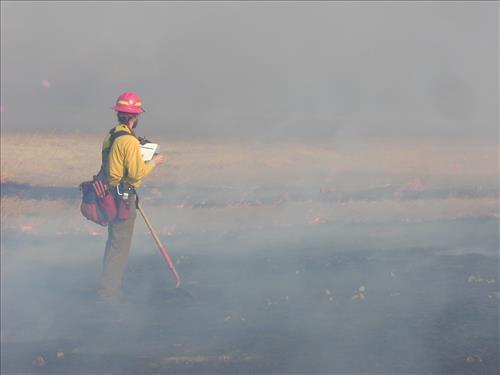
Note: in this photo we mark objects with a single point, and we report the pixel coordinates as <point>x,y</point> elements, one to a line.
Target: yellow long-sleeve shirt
<point>124,161</point>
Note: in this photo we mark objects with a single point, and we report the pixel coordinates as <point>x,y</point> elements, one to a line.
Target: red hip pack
<point>98,204</point>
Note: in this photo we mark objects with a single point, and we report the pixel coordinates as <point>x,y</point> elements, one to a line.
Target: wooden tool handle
<point>162,248</point>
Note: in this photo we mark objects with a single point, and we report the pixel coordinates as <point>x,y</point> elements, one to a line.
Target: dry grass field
<point>58,159</point>
<point>239,172</point>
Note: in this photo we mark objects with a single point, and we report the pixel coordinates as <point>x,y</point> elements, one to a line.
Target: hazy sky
<point>264,70</point>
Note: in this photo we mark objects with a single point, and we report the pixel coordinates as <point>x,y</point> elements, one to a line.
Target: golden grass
<point>62,159</point>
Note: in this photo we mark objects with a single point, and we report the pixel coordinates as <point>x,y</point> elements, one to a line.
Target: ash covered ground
<point>329,298</point>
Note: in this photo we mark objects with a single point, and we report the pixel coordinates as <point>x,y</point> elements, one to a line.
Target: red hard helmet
<point>129,102</point>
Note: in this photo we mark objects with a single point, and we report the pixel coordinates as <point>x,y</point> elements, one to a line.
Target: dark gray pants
<point>116,255</point>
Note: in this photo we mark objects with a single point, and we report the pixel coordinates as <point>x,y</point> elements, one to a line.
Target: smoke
<point>265,300</point>
<point>261,71</point>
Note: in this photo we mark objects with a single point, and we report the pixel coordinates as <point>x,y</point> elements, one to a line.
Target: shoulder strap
<point>113,135</point>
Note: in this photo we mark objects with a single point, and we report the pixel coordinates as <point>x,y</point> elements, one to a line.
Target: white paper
<point>148,150</point>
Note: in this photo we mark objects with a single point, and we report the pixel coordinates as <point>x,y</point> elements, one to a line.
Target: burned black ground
<point>277,301</point>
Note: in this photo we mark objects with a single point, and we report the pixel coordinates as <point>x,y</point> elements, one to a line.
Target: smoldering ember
<point>328,200</point>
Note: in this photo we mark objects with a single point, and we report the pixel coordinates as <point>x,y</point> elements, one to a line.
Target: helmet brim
<point>126,109</point>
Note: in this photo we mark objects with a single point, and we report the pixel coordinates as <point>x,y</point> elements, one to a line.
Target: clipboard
<point>148,150</point>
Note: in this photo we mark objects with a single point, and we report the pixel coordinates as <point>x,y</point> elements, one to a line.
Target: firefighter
<point>123,169</point>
